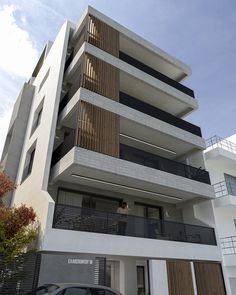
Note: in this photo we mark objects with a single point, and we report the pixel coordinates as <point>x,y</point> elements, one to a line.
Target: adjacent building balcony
<point>219,142</point>
<point>228,248</point>
<point>221,152</point>
<point>228,245</point>
<point>225,188</point>
<point>225,192</point>
<point>86,219</point>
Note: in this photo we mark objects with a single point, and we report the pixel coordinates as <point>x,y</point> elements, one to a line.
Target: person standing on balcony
<point>122,223</point>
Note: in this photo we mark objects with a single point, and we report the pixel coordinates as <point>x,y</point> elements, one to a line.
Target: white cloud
<point>17,53</point>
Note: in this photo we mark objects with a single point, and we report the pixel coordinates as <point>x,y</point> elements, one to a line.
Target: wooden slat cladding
<point>103,36</point>
<point>209,278</point>
<point>100,77</point>
<point>179,277</point>
<point>98,130</point>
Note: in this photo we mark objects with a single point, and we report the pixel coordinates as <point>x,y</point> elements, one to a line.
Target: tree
<point>18,226</point>
<point>6,186</point>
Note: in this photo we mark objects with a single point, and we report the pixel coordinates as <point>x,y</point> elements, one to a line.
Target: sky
<point>201,33</point>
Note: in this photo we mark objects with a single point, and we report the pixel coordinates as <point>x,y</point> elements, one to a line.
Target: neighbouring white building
<point>220,157</point>
<point>101,122</point>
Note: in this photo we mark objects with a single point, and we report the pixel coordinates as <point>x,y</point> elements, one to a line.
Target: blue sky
<point>201,33</point>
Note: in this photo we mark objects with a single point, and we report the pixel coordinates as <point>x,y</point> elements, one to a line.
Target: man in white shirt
<point>122,223</point>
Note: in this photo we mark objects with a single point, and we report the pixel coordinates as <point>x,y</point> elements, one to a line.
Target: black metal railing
<point>90,220</point>
<point>224,188</point>
<point>228,245</point>
<point>217,141</point>
<point>150,160</point>
<point>150,110</point>
<point>136,63</point>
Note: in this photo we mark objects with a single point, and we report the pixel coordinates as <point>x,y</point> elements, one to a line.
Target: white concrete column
<point>128,276</point>
<point>158,277</point>
<point>228,287</point>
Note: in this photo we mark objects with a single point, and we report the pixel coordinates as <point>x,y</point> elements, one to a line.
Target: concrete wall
<point>74,241</point>
<point>16,134</point>
<point>69,268</point>
<point>33,190</point>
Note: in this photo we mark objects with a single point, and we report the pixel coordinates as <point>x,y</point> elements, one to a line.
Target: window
<point>28,163</point>
<point>44,79</point>
<point>230,184</point>
<point>75,291</point>
<point>37,120</point>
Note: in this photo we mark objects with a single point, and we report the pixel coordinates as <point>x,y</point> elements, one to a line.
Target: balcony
<point>142,107</point>
<point>142,158</point>
<point>154,73</point>
<point>221,152</point>
<point>224,188</point>
<point>157,113</point>
<point>225,192</point>
<point>219,142</point>
<point>85,219</point>
<point>228,248</point>
<point>228,245</point>
<point>150,160</point>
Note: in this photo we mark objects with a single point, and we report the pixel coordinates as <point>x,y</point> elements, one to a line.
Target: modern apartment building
<point>220,158</point>
<point>100,122</point>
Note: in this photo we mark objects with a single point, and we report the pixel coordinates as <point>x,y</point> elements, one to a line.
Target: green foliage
<point>17,230</point>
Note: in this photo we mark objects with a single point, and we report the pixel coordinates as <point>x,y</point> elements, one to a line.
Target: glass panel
<point>153,213</point>
<point>107,205</point>
<point>139,210</point>
<point>69,198</point>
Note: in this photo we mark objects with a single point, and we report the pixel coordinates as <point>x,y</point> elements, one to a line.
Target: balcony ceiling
<point>170,66</point>
<point>153,96</point>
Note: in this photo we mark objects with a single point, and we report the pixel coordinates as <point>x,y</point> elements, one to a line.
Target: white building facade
<point>101,122</point>
<point>220,157</point>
